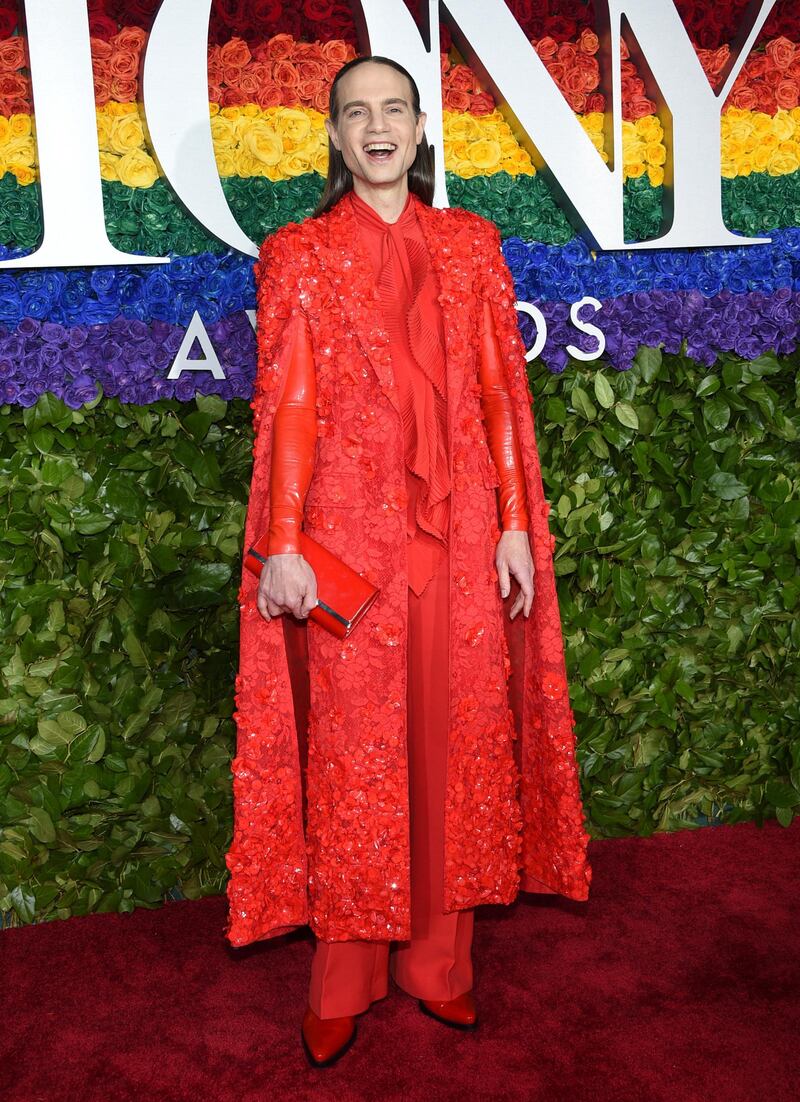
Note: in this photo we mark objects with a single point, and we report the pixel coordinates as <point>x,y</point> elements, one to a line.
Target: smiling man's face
<point>376,132</point>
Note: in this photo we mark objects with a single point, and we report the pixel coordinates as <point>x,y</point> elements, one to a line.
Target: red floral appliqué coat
<point>513,819</point>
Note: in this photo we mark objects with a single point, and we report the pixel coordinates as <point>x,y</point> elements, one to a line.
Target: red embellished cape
<point>321,775</point>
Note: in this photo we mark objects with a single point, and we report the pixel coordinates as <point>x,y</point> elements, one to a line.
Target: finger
<point>503,579</point>
<point>528,591</point>
<point>517,604</point>
<point>309,601</point>
<point>274,609</point>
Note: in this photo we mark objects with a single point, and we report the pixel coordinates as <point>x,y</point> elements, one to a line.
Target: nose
<point>376,123</point>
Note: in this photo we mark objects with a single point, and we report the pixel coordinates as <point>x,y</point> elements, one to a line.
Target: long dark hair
<point>339,181</point>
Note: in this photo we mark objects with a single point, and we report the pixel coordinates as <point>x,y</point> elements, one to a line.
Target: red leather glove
<point>501,433</point>
<point>294,438</point>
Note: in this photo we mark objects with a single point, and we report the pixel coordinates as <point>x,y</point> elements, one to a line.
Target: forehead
<point>373,81</point>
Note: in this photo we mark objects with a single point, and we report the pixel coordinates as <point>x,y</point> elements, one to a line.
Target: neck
<point>388,202</point>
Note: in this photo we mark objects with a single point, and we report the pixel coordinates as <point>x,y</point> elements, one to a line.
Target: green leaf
<point>626,415</point>
<point>726,486</point>
<point>582,404</point>
<point>41,825</point>
<point>648,361</point>
<point>602,391</point>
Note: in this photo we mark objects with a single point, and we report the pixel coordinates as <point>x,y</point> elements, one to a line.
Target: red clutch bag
<point>343,596</point>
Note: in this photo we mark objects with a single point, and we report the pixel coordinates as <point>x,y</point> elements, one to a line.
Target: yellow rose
<point>213,109</point>
<point>5,129</point>
<point>137,169</point>
<point>262,143</point>
<point>463,127</point>
<point>108,166</point>
<point>21,126</point>
<point>296,164</point>
<point>781,163</point>
<point>20,151</point>
<point>761,157</point>
<point>655,174</point>
<point>246,164</point>
<point>126,134</point>
<point>103,131</point>
<point>24,173</point>
<point>250,110</point>
<point>632,153</point>
<point>223,133</point>
<point>226,164</point>
<point>784,126</point>
<point>634,170</point>
<point>655,153</point>
<point>292,125</point>
<point>649,129</point>
<point>762,124</point>
<point>485,155</point>
<point>319,162</point>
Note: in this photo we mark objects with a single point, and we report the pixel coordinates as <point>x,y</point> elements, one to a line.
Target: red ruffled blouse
<point>408,291</point>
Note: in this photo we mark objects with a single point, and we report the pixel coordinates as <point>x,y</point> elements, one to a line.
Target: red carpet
<point>678,981</point>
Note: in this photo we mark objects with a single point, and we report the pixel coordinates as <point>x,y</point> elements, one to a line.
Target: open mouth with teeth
<point>379,151</point>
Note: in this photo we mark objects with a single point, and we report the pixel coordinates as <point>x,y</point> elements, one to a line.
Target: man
<point>393,424</point>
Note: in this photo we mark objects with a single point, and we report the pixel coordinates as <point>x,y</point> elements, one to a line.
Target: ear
<point>423,118</point>
<point>334,137</point>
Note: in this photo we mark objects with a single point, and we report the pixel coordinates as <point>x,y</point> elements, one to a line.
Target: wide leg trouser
<point>346,976</point>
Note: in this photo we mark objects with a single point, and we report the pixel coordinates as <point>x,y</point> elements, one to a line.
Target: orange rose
<point>556,71</point>
<point>280,47</point>
<point>794,69</point>
<point>12,54</point>
<point>567,52</point>
<point>744,98</point>
<point>308,89</point>
<point>781,52</point>
<point>235,54</point>
<point>268,94</point>
<point>595,102</point>
<point>123,89</point>
<point>337,51</point>
<point>482,104</point>
<point>101,50</point>
<point>638,107</point>
<point>214,93</point>
<point>444,62</point>
<point>232,97</point>
<point>624,52</point>
<point>231,75</point>
<point>284,74</point>
<point>588,42</point>
<point>576,100</point>
<point>455,100</point>
<point>310,70</point>
<point>129,38</point>
<point>787,93</point>
<point>546,48</point>
<point>757,66</point>
<point>124,64</point>
<point>13,85</point>
<point>461,79</point>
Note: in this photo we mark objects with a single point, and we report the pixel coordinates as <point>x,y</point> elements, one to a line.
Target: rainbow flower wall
<point>63,331</point>
<point>671,462</point>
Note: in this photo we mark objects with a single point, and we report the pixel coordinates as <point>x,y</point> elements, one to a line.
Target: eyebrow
<point>384,103</point>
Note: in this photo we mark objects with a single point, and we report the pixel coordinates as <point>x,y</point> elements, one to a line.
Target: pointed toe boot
<point>460,1013</point>
<point>326,1039</point>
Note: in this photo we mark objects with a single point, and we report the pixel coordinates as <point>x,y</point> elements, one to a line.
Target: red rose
<point>264,13</point>
<point>232,97</point>
<point>595,102</point>
<point>318,10</point>
<point>8,22</point>
<point>781,52</point>
<point>13,85</point>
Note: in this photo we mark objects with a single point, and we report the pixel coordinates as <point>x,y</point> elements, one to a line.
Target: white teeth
<point>375,147</point>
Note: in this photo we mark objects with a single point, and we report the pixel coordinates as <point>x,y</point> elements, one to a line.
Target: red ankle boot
<point>460,1013</point>
<point>326,1039</point>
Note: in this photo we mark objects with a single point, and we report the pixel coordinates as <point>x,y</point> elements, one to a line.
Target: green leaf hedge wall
<point>674,493</point>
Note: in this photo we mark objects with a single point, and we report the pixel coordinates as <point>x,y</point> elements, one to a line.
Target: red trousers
<point>346,976</point>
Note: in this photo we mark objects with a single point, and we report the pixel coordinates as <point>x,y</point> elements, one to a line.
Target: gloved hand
<point>501,433</point>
